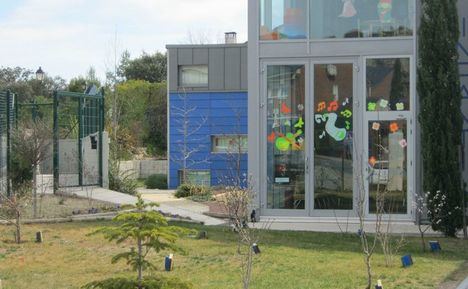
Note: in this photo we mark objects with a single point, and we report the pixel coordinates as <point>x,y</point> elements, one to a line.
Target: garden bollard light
<point>253,216</point>
<point>379,285</point>
<point>168,262</point>
<point>435,246</point>
<point>39,237</point>
<point>255,249</point>
<point>407,261</point>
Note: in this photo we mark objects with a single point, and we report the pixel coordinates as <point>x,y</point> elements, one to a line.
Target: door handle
<point>307,165</point>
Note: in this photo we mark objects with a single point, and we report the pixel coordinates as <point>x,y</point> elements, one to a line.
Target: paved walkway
<point>192,211</point>
<point>464,284</point>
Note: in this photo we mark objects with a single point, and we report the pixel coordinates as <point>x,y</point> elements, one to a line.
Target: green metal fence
<point>78,124</point>
<point>7,100</point>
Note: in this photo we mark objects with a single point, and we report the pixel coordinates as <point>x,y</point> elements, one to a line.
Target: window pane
<point>387,162</point>
<point>193,75</point>
<point>286,137</point>
<point>283,19</point>
<point>201,178</point>
<point>229,144</point>
<point>361,18</point>
<point>333,137</point>
<point>388,84</point>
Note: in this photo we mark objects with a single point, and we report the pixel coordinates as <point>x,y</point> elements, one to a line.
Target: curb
<point>464,284</point>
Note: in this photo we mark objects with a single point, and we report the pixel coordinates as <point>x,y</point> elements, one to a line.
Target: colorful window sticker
<point>371,106</point>
<point>400,106</point>
<point>394,127</point>
<point>376,126</point>
<point>372,161</point>
<point>403,143</point>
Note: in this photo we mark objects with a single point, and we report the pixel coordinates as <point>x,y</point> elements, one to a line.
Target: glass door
<point>285,139</point>
<point>333,137</point>
<point>388,128</point>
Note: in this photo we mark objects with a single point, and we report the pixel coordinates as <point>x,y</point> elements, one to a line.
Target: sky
<point>67,37</point>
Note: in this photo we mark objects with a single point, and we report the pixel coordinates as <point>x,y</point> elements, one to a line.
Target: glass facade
<point>388,84</point>
<point>287,19</point>
<point>286,136</point>
<point>333,136</point>
<point>388,182</point>
<point>283,19</point>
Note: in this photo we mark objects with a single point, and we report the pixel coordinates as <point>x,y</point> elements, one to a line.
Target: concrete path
<point>336,225</point>
<point>192,211</point>
<point>464,284</point>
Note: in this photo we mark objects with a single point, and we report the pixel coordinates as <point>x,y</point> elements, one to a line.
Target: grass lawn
<point>289,260</point>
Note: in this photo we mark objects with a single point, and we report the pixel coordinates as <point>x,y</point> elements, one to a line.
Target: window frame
<point>179,175</point>
<point>244,150</point>
<point>192,85</point>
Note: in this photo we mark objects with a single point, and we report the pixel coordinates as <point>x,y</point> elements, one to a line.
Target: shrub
<point>157,181</point>
<point>122,183</point>
<point>148,283</point>
<point>187,190</point>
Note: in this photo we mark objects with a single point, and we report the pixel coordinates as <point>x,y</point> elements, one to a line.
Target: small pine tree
<point>440,116</point>
<point>148,229</point>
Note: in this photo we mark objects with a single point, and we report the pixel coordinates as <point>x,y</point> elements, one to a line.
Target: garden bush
<point>195,191</point>
<point>148,283</point>
<point>157,181</point>
<point>122,183</point>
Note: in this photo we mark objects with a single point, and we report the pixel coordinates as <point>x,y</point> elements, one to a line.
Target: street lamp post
<point>40,74</point>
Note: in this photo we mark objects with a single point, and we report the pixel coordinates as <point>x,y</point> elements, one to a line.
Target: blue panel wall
<point>211,113</point>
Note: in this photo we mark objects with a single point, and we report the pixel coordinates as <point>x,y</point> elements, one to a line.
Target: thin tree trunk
<point>423,242</point>
<point>369,272</point>
<point>18,227</point>
<point>35,192</point>
<point>140,275</point>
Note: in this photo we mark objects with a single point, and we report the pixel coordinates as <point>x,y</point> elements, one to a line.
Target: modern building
<point>207,112</point>
<point>332,100</point>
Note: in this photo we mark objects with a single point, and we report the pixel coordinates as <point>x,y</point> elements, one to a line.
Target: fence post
<point>56,144</point>
<point>80,141</point>
<point>101,129</point>
<point>8,132</point>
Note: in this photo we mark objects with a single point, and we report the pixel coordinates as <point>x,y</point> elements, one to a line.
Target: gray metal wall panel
<point>185,56</point>
<point>216,69</point>
<point>200,56</point>
<point>336,48</point>
<point>232,80</point>
<point>173,69</point>
<point>244,66</point>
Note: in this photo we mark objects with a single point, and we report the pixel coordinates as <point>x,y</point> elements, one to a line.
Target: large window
<point>388,84</point>
<point>229,144</point>
<point>361,18</point>
<point>388,166</point>
<point>287,19</point>
<point>193,75</point>
<point>333,137</point>
<point>286,134</point>
<point>196,177</point>
<point>283,19</point>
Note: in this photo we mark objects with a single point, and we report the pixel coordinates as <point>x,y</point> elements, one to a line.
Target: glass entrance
<point>333,136</point>
<point>388,130</point>
<point>321,121</point>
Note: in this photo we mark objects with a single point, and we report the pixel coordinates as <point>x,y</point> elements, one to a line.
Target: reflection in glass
<point>388,84</point>
<point>333,136</point>
<point>283,19</point>
<point>388,166</point>
<point>361,18</point>
<point>286,137</point>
